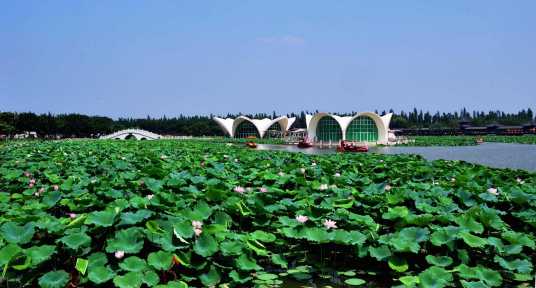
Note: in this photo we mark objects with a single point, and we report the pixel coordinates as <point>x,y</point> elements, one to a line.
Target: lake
<point>499,155</point>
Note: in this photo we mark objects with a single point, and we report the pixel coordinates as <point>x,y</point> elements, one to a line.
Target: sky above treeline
<point>139,58</point>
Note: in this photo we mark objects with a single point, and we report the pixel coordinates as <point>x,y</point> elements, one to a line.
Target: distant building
<point>321,127</point>
<point>361,127</point>
<point>244,127</point>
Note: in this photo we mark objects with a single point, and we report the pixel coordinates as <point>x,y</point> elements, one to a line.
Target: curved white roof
<point>382,123</point>
<point>229,125</point>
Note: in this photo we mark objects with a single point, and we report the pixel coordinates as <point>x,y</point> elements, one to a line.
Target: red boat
<point>251,144</point>
<point>305,143</point>
<point>346,146</point>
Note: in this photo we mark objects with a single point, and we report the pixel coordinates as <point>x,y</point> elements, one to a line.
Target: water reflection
<point>500,155</point>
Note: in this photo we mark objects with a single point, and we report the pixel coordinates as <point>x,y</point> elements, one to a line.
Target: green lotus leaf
<point>380,253</point>
<point>435,277</point>
<point>54,279</point>
<point>472,240</point>
<point>97,259</point>
<point>8,252</point>
<point>206,245</point>
<point>133,264</point>
<point>409,281</point>
<point>76,240</point>
<point>81,265</point>
<point>239,278</point>
<point>51,198</point>
<point>478,284</point>
<point>153,184</point>
<point>101,218</point>
<point>131,218</point>
<point>129,280</point>
<point>39,254</point>
<point>396,212</point>
<point>160,260</point>
<point>279,260</point>
<point>230,247</point>
<point>518,238</point>
<point>262,236</point>
<point>520,265</point>
<point>211,278</point>
<point>17,234</point>
<point>316,234</point>
<point>128,240</point>
<point>100,274</point>
<point>442,261</point>
<point>244,262</point>
<point>468,223</point>
<point>490,277</point>
<point>173,284</point>
<point>354,282</point>
<point>444,236</point>
<point>150,278</point>
<point>397,263</point>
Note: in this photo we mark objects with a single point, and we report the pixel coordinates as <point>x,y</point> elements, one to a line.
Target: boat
<point>305,143</point>
<point>251,144</point>
<point>346,146</point>
<point>479,140</point>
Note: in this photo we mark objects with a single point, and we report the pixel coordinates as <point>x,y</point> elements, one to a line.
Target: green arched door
<point>363,129</point>
<point>246,129</point>
<point>328,129</point>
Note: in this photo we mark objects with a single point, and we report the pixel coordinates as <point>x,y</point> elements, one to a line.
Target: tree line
<point>79,125</point>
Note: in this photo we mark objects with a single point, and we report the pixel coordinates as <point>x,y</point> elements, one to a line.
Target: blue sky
<point>138,58</point>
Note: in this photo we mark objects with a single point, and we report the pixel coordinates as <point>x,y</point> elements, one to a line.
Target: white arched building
<point>242,126</point>
<point>361,127</point>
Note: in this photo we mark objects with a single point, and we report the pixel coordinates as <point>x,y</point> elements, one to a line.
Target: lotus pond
<point>193,214</point>
<point>463,140</point>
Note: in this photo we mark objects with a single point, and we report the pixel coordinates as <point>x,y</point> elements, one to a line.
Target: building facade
<point>244,127</point>
<point>321,127</point>
<point>361,127</point>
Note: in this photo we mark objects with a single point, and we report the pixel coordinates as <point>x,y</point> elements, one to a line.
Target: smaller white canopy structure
<point>138,134</point>
<point>229,125</point>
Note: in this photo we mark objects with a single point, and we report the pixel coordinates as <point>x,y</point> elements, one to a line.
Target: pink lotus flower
<point>330,224</point>
<point>32,181</point>
<point>198,231</point>
<point>493,191</point>
<point>72,215</point>
<point>56,187</point>
<point>239,189</point>
<point>263,189</point>
<point>150,196</point>
<point>302,219</point>
<point>387,187</point>
<point>323,187</point>
<point>119,254</point>
<point>197,224</point>
<point>41,190</point>
<point>27,174</point>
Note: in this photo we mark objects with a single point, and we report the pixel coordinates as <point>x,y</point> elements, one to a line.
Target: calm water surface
<point>499,155</point>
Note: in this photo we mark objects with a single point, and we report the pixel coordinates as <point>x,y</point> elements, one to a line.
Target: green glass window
<point>246,129</point>
<point>328,129</point>
<point>274,131</point>
<point>363,129</point>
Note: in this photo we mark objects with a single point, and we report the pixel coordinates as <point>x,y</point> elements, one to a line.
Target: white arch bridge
<point>137,134</point>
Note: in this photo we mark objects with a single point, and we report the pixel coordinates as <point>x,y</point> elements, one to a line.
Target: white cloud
<point>290,40</point>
